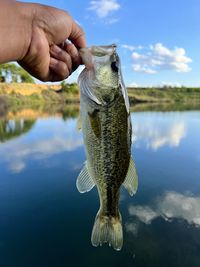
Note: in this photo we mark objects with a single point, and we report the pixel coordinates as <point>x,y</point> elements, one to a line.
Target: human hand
<point>48,58</point>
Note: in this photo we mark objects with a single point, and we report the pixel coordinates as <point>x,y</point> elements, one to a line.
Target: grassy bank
<point>164,95</point>
<point>17,94</point>
<point>32,94</point>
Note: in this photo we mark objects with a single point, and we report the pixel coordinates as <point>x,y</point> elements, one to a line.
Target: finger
<point>58,70</point>
<point>61,55</point>
<point>77,36</point>
<point>73,52</point>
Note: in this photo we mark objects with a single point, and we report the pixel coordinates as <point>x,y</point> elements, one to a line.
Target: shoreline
<point>30,94</point>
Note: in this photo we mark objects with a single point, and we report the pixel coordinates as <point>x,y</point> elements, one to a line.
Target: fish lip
<point>105,46</point>
<point>87,53</point>
<point>104,49</point>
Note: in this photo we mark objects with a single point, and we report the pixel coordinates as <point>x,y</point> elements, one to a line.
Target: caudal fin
<point>107,229</point>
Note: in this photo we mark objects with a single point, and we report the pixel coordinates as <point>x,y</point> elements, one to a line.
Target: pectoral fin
<point>95,122</point>
<point>84,182</point>
<point>131,181</point>
<point>79,123</point>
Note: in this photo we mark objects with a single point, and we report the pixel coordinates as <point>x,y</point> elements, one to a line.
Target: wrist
<point>25,13</point>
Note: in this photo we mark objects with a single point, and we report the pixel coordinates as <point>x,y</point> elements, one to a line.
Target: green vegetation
<point>16,94</point>
<point>71,88</point>
<point>16,73</point>
<point>164,95</point>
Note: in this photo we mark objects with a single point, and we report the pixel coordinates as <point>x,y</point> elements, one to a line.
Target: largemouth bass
<point>106,126</point>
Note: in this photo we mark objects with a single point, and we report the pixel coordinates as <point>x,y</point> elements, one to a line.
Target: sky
<point>158,40</point>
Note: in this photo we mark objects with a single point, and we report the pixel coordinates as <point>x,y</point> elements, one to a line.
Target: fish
<point>106,125</point>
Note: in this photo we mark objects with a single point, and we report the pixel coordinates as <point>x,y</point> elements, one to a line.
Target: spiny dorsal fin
<point>84,182</point>
<point>131,181</point>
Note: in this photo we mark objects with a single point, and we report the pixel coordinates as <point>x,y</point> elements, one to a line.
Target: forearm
<point>15,30</point>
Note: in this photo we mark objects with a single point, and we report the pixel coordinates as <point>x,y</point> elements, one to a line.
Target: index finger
<point>77,36</point>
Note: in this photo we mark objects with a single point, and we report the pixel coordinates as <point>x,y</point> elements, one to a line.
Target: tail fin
<point>107,229</point>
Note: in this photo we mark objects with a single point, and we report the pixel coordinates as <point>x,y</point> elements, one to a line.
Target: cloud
<point>133,84</point>
<point>131,47</point>
<point>131,228</point>
<point>112,21</point>
<point>17,167</point>
<point>63,138</point>
<point>104,7</point>
<point>144,69</point>
<point>170,84</point>
<point>170,206</point>
<point>144,213</point>
<point>157,133</point>
<point>158,57</point>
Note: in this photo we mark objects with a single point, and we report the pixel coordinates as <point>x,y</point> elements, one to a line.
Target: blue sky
<point>158,40</point>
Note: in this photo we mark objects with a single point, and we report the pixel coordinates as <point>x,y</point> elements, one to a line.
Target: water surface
<point>45,221</point>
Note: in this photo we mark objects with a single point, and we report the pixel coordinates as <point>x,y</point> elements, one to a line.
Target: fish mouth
<point>88,54</point>
<point>99,51</point>
<point>103,50</point>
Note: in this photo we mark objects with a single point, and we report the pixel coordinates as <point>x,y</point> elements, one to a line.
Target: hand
<point>47,57</point>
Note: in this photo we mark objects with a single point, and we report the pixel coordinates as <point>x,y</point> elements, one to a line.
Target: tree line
<point>10,72</point>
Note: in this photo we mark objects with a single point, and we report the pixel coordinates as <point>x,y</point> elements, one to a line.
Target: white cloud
<point>131,47</point>
<point>112,21</point>
<point>170,84</point>
<point>133,84</point>
<point>157,133</point>
<point>170,206</point>
<point>144,69</point>
<point>158,57</point>
<point>104,7</point>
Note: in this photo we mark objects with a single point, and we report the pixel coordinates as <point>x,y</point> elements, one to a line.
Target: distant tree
<point>25,77</point>
<point>8,131</point>
<point>14,73</point>
<point>2,79</point>
<point>70,87</point>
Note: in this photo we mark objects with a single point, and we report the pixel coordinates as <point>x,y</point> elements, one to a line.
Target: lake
<point>45,221</point>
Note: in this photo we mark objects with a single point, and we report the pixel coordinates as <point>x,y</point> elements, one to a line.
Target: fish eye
<point>114,66</point>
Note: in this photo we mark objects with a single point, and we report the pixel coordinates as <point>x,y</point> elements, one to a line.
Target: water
<point>45,221</point>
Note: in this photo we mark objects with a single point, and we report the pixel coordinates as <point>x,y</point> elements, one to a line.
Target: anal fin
<point>131,181</point>
<point>84,182</point>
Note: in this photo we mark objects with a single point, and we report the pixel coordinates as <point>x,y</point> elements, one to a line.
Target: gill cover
<point>95,58</point>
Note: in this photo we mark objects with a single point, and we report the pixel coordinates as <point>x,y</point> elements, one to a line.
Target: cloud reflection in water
<point>49,142</point>
<point>172,205</point>
<point>158,131</point>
